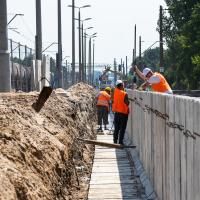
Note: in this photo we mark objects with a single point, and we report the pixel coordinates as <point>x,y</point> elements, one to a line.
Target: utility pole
<point>135,45</point>
<point>133,58</point>
<point>19,54</point>
<point>115,69</point>
<point>161,40</point>
<point>38,46</point>
<point>126,65</point>
<point>83,68</point>
<point>11,54</point>
<point>73,43</point>
<point>140,54</point>
<point>79,29</point>
<point>93,64</point>
<point>89,62</point>
<point>38,39</point>
<point>5,72</point>
<point>85,55</point>
<point>59,62</point>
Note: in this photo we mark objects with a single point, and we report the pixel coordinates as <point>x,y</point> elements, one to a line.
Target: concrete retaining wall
<point>166,130</point>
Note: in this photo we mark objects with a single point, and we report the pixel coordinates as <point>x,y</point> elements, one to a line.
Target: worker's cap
<point>119,82</point>
<point>146,71</point>
<point>108,89</point>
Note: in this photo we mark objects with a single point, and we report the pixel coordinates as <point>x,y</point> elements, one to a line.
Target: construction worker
<point>121,110</point>
<point>103,104</point>
<point>155,80</point>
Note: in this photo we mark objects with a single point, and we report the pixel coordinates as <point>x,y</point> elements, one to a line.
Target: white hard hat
<point>146,71</point>
<point>119,82</point>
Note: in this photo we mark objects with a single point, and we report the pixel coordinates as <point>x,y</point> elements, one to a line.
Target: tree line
<point>181,30</point>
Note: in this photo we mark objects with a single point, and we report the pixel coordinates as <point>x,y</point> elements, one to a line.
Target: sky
<point>113,20</point>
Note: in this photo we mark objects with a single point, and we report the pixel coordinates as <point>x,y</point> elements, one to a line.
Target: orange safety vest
<point>118,102</point>
<point>103,99</point>
<point>162,86</point>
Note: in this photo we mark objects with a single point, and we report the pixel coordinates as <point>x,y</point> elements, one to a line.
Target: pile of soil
<point>40,155</point>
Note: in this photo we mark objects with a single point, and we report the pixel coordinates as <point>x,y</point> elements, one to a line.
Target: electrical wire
<point>27,27</point>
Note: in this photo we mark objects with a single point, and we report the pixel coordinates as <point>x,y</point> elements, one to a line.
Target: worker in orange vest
<point>103,104</point>
<point>121,110</point>
<point>155,80</point>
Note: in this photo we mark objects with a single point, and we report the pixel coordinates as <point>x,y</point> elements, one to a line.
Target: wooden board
<point>112,175</point>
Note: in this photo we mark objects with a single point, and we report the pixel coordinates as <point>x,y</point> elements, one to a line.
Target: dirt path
<point>37,149</point>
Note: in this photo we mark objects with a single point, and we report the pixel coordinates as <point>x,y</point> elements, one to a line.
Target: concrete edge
<point>140,171</point>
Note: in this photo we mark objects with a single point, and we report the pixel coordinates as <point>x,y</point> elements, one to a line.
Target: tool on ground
<point>43,96</point>
<point>106,144</point>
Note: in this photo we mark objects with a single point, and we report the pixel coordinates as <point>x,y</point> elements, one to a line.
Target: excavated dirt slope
<point>40,155</point>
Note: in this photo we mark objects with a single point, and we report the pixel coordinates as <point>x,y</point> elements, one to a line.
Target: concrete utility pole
<point>93,64</point>
<point>59,62</point>
<point>89,61</point>
<point>126,65</point>
<point>79,29</point>
<point>85,55</point>
<point>38,47</point>
<point>5,72</point>
<point>133,57</point>
<point>73,43</point>
<point>135,46</point>
<point>83,68</point>
<point>161,40</point>
<point>38,39</point>
<point>140,52</point>
<point>115,69</point>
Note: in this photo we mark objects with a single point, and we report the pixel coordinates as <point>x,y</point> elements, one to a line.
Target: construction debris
<point>40,151</point>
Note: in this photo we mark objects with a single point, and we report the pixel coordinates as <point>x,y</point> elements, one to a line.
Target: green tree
<point>182,35</point>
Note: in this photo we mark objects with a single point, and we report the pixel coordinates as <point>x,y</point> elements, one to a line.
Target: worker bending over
<point>155,80</point>
<point>121,110</point>
<point>103,104</point>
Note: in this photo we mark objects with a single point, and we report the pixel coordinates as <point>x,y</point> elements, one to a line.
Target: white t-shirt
<point>154,79</point>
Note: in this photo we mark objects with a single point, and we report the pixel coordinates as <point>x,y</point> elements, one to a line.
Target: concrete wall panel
<point>162,127</point>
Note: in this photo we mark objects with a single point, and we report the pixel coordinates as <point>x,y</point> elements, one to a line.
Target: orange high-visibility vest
<point>118,102</point>
<point>103,99</point>
<point>162,86</point>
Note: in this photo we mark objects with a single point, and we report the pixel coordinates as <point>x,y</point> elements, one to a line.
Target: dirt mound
<point>39,152</point>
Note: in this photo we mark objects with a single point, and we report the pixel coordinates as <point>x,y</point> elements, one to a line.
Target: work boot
<point>99,129</point>
<point>105,127</point>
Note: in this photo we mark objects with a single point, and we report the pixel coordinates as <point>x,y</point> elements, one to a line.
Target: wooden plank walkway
<point>112,175</point>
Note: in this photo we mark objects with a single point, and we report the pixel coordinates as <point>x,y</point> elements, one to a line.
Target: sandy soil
<point>40,154</point>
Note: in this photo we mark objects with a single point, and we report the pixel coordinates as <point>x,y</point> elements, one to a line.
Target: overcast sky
<point>113,20</point>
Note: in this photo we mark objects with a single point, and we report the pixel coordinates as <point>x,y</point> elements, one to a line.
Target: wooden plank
<point>112,186</point>
<point>110,182</point>
<point>106,144</point>
<point>114,198</point>
<point>112,176</point>
<point>114,195</point>
<point>108,191</point>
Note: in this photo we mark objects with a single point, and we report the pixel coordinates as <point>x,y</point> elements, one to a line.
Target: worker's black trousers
<point>102,113</point>
<point>120,122</point>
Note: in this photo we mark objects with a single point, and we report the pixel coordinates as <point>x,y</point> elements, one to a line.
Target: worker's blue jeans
<point>120,122</point>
